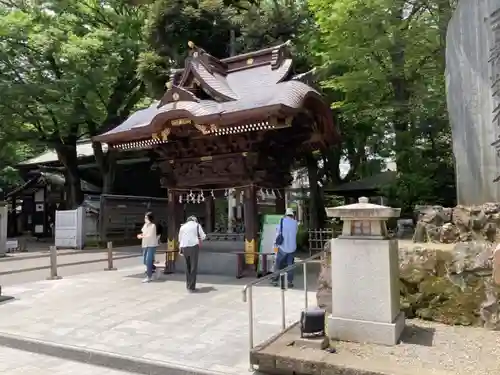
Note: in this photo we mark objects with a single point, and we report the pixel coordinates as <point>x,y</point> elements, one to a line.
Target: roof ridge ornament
<point>211,63</point>
<point>309,77</point>
<point>280,54</point>
<point>177,94</point>
<point>195,51</point>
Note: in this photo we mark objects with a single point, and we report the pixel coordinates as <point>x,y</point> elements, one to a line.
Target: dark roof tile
<point>237,84</point>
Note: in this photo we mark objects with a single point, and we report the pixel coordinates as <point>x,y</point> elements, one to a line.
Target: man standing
<point>190,236</point>
<point>286,242</point>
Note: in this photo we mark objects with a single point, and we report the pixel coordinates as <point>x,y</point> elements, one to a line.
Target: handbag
<point>279,238</point>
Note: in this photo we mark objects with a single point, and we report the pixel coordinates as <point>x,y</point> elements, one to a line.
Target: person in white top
<point>149,244</point>
<point>190,236</point>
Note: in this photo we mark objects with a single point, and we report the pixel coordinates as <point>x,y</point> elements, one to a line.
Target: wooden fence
<point>121,217</point>
<point>319,237</point>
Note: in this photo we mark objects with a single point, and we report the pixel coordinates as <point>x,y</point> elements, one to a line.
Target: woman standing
<point>149,244</point>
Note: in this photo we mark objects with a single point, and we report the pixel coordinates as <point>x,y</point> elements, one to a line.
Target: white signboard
<point>69,229</point>
<point>268,237</point>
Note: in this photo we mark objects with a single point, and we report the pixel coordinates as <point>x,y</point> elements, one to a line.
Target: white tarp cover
<point>470,73</point>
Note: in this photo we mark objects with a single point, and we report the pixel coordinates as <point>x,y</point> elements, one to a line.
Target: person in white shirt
<point>149,244</point>
<point>190,236</point>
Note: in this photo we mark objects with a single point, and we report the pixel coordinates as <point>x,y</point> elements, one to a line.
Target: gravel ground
<point>432,346</point>
<point>426,348</point>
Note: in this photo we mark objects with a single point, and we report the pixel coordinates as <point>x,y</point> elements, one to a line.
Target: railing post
<point>249,297</point>
<point>306,302</point>
<point>283,275</point>
<point>110,257</point>
<point>284,285</point>
<point>53,264</point>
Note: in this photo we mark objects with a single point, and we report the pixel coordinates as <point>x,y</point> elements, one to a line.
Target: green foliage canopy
<point>68,69</point>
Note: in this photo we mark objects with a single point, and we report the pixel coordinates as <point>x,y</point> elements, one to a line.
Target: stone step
<point>101,358</point>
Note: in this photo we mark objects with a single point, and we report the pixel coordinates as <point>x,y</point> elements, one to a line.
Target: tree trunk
<point>68,157</point>
<point>106,162</point>
<point>400,87</point>
<point>317,214</point>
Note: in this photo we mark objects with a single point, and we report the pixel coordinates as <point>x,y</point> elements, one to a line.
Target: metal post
<point>53,264</point>
<point>110,257</point>
<point>306,302</point>
<point>249,298</point>
<point>284,284</point>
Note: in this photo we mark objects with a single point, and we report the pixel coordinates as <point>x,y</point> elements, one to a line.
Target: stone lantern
<point>365,276</point>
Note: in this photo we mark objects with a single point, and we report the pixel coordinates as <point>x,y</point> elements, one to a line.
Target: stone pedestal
<point>4,215</point>
<point>365,277</point>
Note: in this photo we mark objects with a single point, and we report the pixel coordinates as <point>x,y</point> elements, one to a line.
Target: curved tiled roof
<point>290,94</point>
<point>216,81</point>
<point>251,82</point>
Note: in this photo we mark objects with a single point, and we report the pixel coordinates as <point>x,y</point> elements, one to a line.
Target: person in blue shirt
<point>286,242</point>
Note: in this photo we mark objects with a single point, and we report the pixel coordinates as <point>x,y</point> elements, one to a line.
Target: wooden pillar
<point>209,214</point>
<point>251,224</point>
<point>280,202</point>
<point>173,225</point>
<point>14,230</point>
<point>230,211</point>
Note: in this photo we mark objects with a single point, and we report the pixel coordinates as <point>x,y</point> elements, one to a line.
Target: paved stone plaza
<point>18,362</point>
<point>114,314</point>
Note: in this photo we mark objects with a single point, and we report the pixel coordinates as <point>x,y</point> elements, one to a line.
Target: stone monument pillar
<point>365,276</point>
<point>473,98</point>
<point>4,217</point>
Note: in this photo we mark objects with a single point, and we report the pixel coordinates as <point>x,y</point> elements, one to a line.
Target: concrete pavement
<point>27,267</point>
<point>26,276</point>
<point>17,362</point>
<point>112,319</point>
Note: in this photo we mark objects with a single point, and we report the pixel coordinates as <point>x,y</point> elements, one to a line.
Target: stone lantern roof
<point>363,211</point>
<point>364,219</point>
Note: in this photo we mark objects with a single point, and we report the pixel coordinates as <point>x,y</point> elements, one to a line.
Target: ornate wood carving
<point>257,157</point>
<point>225,170</point>
<point>210,145</point>
<point>206,129</point>
<point>207,172</point>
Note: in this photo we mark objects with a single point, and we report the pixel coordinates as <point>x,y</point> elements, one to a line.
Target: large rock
<point>460,224</point>
<point>324,292</point>
<point>452,287</point>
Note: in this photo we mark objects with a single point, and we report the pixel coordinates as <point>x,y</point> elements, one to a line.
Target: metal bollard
<point>306,291</point>
<point>53,264</point>
<point>110,257</point>
<point>284,287</point>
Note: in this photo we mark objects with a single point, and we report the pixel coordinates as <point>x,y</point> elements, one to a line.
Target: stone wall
<point>447,286</point>
<point>459,224</point>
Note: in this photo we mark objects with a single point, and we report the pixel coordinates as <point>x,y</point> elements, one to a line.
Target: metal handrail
<point>283,276</point>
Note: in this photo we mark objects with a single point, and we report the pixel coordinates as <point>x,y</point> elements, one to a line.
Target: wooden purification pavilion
<point>239,121</point>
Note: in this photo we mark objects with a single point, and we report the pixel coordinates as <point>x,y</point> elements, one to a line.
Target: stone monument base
<point>366,331</point>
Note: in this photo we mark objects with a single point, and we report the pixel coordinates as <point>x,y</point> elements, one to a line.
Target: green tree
<point>389,54</point>
<point>67,71</point>
<point>12,153</point>
<point>222,28</point>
